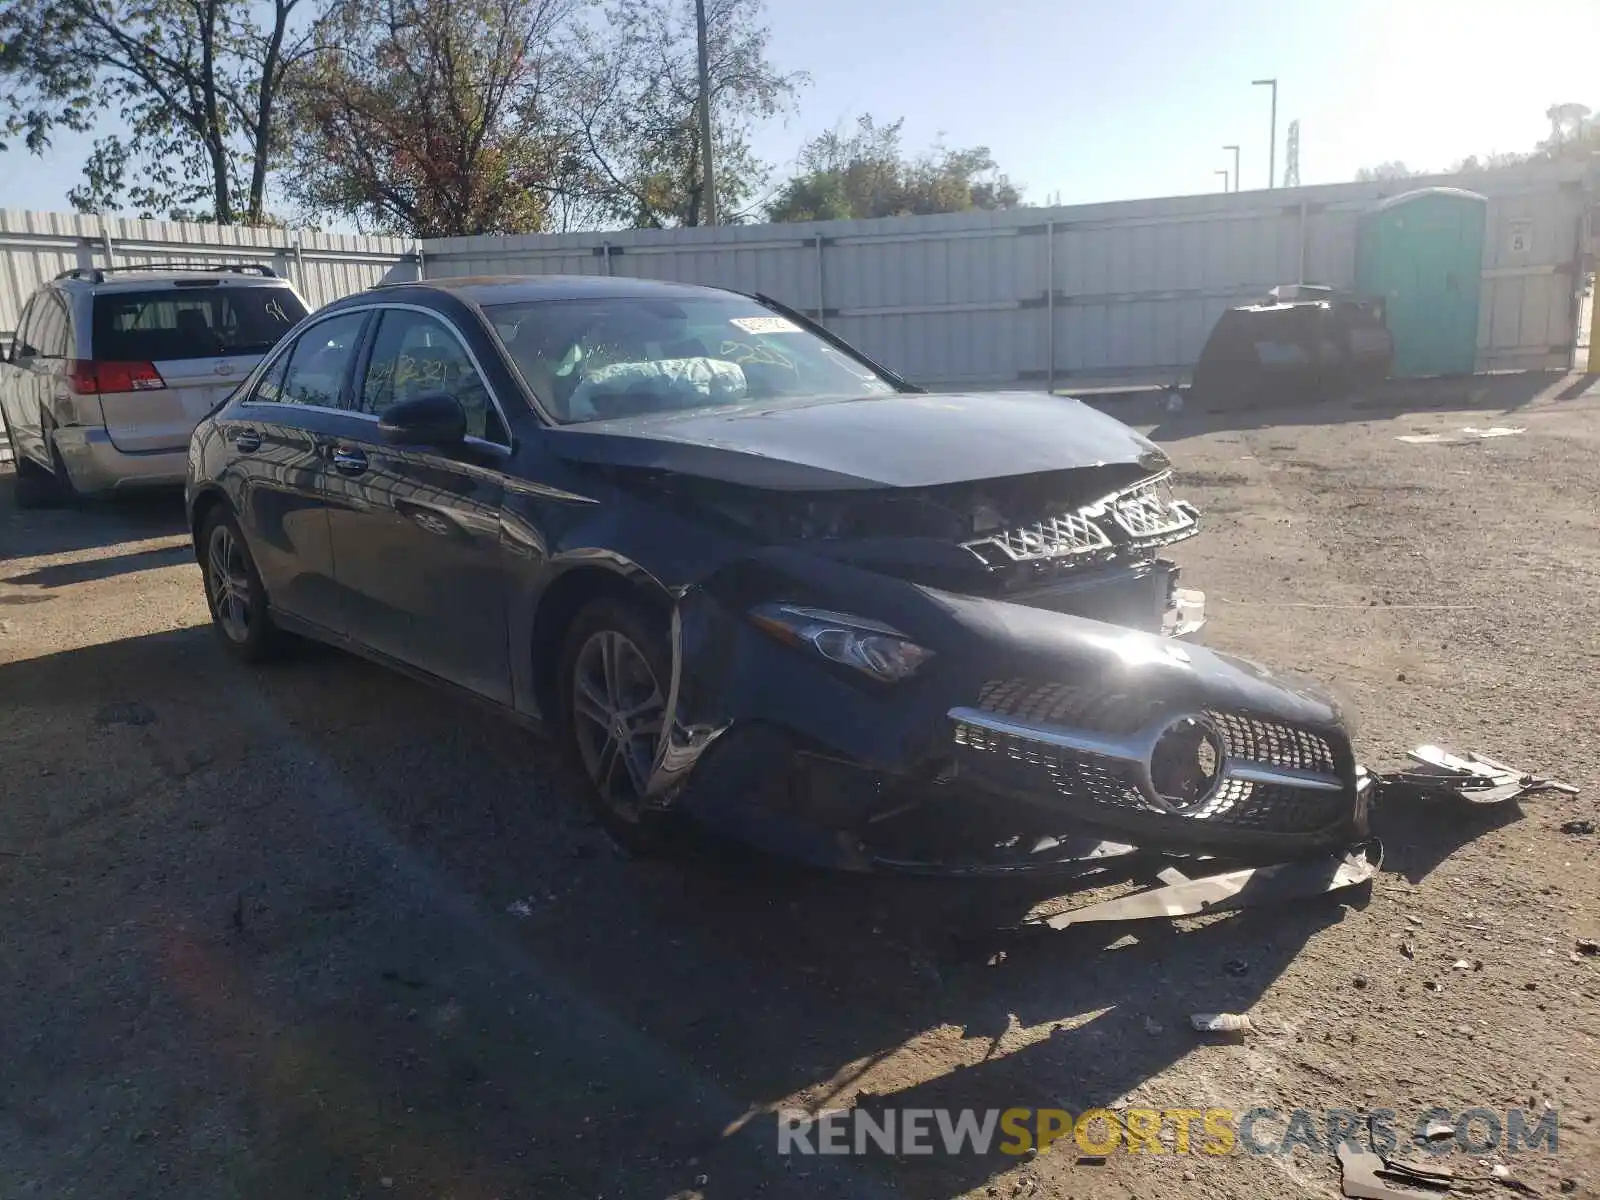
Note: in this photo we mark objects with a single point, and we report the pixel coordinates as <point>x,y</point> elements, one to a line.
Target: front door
<point>416,529</point>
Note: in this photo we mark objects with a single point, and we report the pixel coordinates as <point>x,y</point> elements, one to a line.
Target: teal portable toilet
<point>1421,255</point>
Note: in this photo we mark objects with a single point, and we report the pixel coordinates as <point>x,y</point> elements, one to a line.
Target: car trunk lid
<point>164,357</point>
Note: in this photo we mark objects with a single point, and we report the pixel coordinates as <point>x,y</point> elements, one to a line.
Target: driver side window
<point>416,355</point>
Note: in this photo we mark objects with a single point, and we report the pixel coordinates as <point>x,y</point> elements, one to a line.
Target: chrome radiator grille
<point>1143,516</point>
<point>1270,742</point>
<point>1055,537</point>
<point>1102,767</point>
<point>1150,511</point>
<point>1066,704</point>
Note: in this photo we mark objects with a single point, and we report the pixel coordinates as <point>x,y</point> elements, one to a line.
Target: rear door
<point>277,438</point>
<point>165,356</point>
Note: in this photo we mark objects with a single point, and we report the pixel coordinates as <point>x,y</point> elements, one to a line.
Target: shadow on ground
<point>87,524</point>
<point>375,928</point>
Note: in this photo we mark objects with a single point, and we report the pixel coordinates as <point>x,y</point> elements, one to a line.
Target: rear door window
<point>23,346</point>
<point>49,331</point>
<point>176,323</point>
<point>319,364</point>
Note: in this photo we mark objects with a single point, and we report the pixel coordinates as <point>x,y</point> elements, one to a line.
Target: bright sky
<point>1099,100</point>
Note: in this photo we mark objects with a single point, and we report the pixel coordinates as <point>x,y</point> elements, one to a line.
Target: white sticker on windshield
<point>764,324</point>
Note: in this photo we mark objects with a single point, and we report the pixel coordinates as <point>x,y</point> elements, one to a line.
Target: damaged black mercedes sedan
<point>753,578</point>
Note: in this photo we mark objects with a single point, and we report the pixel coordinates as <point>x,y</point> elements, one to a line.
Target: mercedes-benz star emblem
<point>1186,763</point>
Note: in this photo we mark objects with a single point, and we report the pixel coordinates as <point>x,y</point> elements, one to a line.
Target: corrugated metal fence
<point>1064,296</point>
<point>1086,294</point>
<point>36,247</point>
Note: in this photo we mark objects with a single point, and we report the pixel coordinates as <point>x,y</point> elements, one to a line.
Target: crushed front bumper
<point>1034,741</point>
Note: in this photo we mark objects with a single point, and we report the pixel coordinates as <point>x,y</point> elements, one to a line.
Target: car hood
<point>903,440</point>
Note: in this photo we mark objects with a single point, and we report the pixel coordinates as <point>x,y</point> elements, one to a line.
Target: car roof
<point>509,289</point>
<point>99,279</point>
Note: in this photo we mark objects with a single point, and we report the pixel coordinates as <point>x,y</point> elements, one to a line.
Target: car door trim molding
<point>455,331</point>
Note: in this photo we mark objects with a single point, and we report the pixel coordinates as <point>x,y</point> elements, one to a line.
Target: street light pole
<point>708,177</point>
<point>1272,146</point>
<point>1224,175</point>
<point>1235,150</point>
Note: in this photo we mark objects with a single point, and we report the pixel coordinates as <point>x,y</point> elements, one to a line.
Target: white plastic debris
<point>1468,432</point>
<point>520,908</point>
<point>1221,1022</point>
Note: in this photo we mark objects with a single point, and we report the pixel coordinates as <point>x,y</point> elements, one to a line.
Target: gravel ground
<point>315,930</point>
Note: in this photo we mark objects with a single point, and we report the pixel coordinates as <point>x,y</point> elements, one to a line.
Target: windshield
<point>192,322</point>
<point>590,360</point>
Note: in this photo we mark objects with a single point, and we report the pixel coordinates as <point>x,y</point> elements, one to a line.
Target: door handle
<point>348,462</point>
<point>247,440</point>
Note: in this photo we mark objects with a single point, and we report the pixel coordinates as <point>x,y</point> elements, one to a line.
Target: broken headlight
<point>871,647</point>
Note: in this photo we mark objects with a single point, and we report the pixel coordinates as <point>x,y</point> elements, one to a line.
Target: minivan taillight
<point>88,377</point>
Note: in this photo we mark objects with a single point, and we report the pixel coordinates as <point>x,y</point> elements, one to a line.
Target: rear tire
<point>234,592</point>
<point>36,486</point>
<point>614,671</point>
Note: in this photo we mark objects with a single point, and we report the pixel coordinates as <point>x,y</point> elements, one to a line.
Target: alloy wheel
<point>617,710</point>
<point>228,578</point>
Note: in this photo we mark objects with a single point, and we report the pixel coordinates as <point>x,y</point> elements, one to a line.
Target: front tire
<point>614,673</point>
<point>234,593</point>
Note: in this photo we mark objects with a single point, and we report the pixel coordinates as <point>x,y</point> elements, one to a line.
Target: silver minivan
<point>110,371</point>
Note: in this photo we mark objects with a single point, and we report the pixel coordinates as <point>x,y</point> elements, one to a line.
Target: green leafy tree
<point>195,84</point>
<point>427,117</point>
<point>1385,172</point>
<point>866,174</point>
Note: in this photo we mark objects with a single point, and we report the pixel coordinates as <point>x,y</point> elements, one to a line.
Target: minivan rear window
<point>192,322</point>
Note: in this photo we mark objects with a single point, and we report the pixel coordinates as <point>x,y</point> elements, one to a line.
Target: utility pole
<point>1291,156</point>
<point>1224,175</point>
<point>1235,150</point>
<point>708,176</point>
<point>1272,145</point>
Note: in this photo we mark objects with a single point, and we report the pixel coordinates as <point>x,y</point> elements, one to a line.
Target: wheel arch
<point>563,599</point>
<point>206,501</point>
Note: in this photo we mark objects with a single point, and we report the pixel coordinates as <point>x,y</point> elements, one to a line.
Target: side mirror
<point>435,420</point>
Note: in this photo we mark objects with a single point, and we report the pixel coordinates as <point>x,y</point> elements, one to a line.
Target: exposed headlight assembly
<point>871,647</point>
